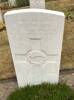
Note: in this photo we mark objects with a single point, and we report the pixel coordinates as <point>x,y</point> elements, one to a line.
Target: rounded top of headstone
<point>35,11</point>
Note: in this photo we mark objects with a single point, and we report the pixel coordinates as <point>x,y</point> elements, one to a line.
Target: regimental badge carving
<point>36,57</point>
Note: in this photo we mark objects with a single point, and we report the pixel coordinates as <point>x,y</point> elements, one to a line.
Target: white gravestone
<point>35,37</point>
<point>37,4</point>
<point>1,17</point>
<point>12,2</point>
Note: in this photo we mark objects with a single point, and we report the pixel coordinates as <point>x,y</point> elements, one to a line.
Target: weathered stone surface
<point>1,17</point>
<point>37,4</point>
<point>35,37</point>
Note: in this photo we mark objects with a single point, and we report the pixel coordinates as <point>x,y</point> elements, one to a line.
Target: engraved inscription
<point>35,38</point>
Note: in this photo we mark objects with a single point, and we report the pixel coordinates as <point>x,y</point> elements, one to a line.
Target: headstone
<point>37,4</point>
<point>1,17</point>
<point>35,37</point>
<point>12,2</point>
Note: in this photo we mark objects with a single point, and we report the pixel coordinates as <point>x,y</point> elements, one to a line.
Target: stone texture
<point>6,88</point>
<point>12,2</point>
<point>35,37</point>
<point>37,4</point>
<point>1,17</point>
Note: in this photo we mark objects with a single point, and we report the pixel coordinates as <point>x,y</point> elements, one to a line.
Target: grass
<point>6,63</point>
<point>67,7</point>
<point>43,92</point>
<point>68,49</point>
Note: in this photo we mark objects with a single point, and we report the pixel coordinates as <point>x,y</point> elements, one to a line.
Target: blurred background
<point>67,58</point>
